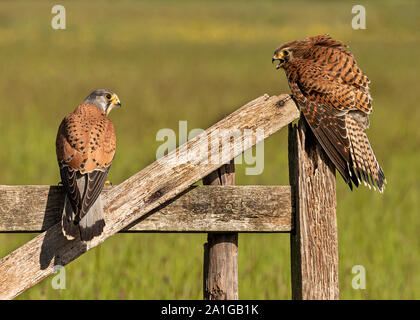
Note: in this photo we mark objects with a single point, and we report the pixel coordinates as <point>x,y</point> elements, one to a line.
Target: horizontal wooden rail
<point>198,209</point>
<point>148,189</point>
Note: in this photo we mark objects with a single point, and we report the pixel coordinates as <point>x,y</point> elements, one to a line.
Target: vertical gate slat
<point>220,271</point>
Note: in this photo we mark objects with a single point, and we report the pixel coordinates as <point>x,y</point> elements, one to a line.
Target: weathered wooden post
<point>220,269</point>
<point>314,244</point>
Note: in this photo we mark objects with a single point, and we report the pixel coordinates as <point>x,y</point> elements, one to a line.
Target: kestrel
<point>85,148</point>
<point>333,95</point>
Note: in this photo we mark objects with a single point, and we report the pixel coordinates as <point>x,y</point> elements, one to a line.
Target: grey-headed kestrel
<point>85,148</point>
<point>333,96</point>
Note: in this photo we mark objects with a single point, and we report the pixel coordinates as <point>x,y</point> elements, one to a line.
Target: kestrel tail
<point>85,148</point>
<point>333,96</point>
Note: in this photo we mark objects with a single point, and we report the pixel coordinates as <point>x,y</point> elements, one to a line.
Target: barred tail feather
<point>364,161</point>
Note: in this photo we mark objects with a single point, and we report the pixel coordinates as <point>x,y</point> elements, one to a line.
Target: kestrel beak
<point>276,58</point>
<point>116,101</point>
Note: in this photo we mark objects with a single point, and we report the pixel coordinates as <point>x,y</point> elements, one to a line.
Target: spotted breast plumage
<point>333,96</point>
<point>85,148</point>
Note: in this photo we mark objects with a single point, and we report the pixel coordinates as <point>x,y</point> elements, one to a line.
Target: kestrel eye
<point>286,53</point>
<point>108,96</point>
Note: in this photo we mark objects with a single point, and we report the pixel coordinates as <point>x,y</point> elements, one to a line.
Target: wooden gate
<point>161,198</point>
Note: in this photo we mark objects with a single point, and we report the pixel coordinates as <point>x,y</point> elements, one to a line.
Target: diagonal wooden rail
<point>145,191</point>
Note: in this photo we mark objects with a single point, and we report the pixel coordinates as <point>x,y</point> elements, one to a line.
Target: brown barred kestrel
<point>333,95</point>
<point>85,148</point>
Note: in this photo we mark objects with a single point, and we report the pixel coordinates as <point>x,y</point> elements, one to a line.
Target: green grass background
<point>199,61</point>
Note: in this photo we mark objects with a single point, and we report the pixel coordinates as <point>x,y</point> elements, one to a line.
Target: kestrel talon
<point>333,96</point>
<point>85,148</point>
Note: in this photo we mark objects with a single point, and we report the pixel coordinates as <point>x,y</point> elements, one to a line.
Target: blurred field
<point>199,61</point>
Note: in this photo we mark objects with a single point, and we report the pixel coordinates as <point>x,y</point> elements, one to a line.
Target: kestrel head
<point>105,100</point>
<point>288,51</point>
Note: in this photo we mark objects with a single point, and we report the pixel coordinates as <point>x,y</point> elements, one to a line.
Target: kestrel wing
<point>68,178</point>
<point>330,131</point>
<point>332,135</point>
<point>322,86</point>
<point>72,141</point>
<point>347,69</point>
<point>101,146</point>
<point>93,188</point>
<point>352,81</point>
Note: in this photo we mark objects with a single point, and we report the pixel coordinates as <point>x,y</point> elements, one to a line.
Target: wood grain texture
<point>148,189</point>
<point>198,209</point>
<point>314,239</point>
<point>220,269</point>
